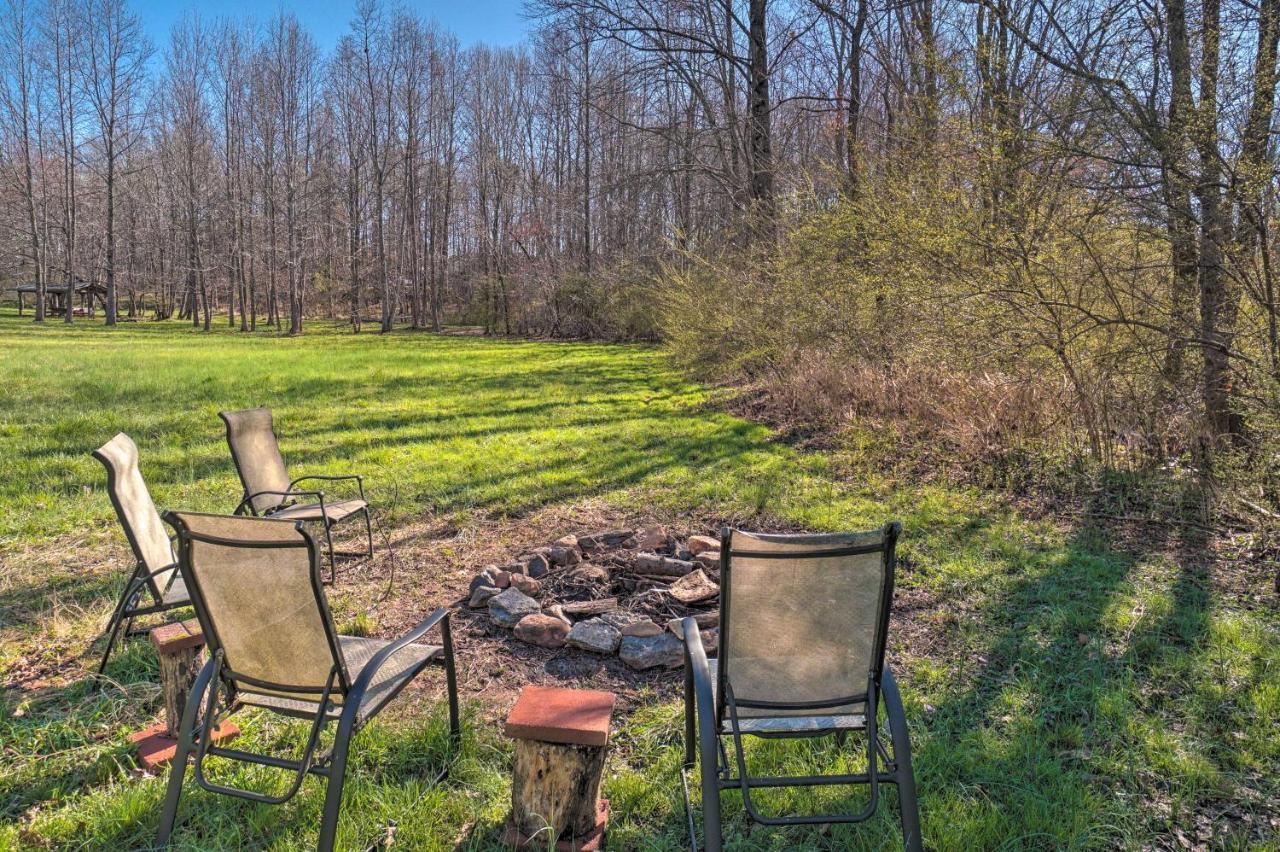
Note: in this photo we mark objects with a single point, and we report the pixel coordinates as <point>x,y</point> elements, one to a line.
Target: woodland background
<point>1026,242</point>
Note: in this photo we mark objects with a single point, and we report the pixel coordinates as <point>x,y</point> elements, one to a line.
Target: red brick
<point>171,638</point>
<point>554,715</point>
<point>156,749</point>
<point>592,841</point>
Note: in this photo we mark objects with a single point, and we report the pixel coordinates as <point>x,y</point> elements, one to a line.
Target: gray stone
<point>536,565</point>
<point>564,555</point>
<point>487,577</point>
<point>507,608</point>
<point>545,631</point>
<point>620,618</point>
<point>480,596</point>
<point>653,651</point>
<point>595,635</point>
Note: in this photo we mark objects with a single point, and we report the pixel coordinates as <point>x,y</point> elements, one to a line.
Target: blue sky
<point>495,22</point>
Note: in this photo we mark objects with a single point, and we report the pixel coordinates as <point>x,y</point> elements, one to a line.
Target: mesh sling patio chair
<point>803,622</point>
<point>268,490</point>
<point>255,584</point>
<point>155,573</point>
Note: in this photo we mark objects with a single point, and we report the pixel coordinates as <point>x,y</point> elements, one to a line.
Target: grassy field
<point>1064,691</point>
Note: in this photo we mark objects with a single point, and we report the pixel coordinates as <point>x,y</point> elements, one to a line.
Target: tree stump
<point>180,648</point>
<point>562,737</point>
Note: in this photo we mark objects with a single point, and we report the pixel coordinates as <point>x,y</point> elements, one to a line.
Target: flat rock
<point>508,607</point>
<point>693,588</point>
<point>708,560</point>
<point>545,631</point>
<point>569,540</point>
<point>620,618</point>
<point>642,652</point>
<point>642,627</point>
<point>480,596</point>
<point>526,585</point>
<point>595,635</point>
<point>702,543</point>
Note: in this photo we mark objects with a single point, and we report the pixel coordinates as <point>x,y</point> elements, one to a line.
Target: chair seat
<point>766,725</point>
<point>176,594</point>
<point>333,512</point>
<point>357,651</point>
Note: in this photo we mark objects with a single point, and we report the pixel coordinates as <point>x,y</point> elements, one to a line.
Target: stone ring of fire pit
<point>621,592</point>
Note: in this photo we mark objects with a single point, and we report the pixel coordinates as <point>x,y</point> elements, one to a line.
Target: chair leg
<point>328,540</point>
<point>906,780</point>
<point>126,602</point>
<point>179,769</point>
<point>333,790</point>
<point>451,683</point>
<point>368,530</point>
<point>710,776</point>
<point>690,728</point>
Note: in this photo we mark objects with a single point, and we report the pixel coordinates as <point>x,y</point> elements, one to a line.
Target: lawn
<point>1066,687</point>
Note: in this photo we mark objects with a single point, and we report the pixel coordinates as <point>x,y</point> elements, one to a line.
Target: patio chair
<point>803,621</point>
<point>268,490</point>
<point>255,584</point>
<point>155,571</point>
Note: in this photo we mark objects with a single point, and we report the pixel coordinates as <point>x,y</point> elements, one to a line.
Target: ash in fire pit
<point>621,592</point>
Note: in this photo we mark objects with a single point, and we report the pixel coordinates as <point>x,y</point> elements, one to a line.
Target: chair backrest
<point>255,585</point>
<point>252,439</point>
<point>803,620</point>
<point>147,535</point>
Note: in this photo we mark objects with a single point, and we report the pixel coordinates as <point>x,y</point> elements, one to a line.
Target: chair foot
<point>178,771</point>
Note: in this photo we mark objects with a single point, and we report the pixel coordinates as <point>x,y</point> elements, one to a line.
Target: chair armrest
<point>333,478</point>
<point>249,498</point>
<point>696,662</point>
<point>439,617</point>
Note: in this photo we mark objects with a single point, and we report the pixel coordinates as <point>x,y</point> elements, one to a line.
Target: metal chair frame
<point>194,734</point>
<point>712,714</point>
<point>292,493</point>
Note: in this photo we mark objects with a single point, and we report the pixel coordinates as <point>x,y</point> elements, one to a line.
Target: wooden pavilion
<point>56,295</point>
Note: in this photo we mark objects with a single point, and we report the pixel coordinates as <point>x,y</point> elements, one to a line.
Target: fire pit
<point>623,592</point>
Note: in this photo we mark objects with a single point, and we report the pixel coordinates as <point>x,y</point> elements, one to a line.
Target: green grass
<point>1062,693</point>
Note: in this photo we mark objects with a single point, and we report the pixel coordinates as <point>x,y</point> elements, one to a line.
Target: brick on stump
<point>180,648</point>
<point>562,736</point>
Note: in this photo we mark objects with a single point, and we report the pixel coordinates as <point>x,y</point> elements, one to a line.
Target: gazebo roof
<point>60,287</point>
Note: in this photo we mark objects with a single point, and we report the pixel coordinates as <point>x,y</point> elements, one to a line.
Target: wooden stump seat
<point>562,736</point>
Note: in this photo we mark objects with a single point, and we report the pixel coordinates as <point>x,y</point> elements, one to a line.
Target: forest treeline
<point>1029,229</point>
